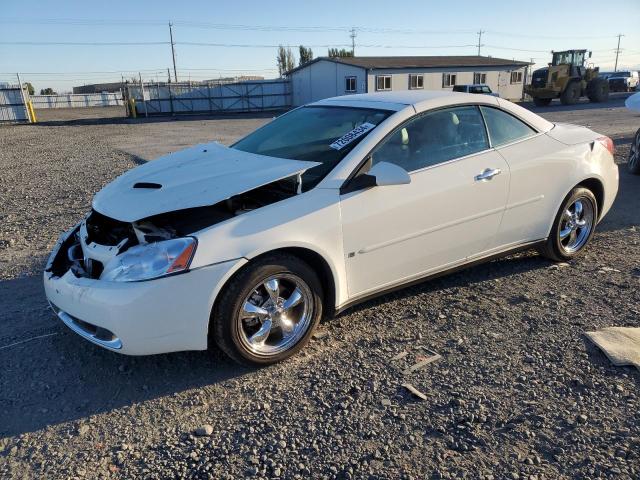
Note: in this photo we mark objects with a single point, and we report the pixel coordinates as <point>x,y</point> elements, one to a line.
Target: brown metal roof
<point>439,61</point>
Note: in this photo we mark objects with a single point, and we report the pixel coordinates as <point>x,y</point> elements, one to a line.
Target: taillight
<point>607,143</point>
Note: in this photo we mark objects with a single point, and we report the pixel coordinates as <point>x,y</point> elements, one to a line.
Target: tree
<point>30,88</point>
<point>334,52</point>
<point>47,91</point>
<point>285,60</point>
<point>306,55</point>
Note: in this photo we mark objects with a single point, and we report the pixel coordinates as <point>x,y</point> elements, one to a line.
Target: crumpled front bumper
<point>138,318</point>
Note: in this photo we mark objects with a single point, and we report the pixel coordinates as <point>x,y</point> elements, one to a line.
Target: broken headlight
<point>151,260</point>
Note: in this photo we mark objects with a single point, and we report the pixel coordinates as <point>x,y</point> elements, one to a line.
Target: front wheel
<point>573,226</point>
<point>268,311</point>
<point>634,155</point>
<point>571,94</point>
<point>598,90</point>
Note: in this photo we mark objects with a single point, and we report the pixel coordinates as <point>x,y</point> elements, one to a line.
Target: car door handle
<point>487,174</point>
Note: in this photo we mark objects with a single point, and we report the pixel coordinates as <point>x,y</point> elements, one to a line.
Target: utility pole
<point>173,53</point>
<point>480,40</point>
<point>615,69</point>
<point>168,75</point>
<point>353,41</point>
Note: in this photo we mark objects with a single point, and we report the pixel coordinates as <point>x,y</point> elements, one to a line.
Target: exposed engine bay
<point>98,238</point>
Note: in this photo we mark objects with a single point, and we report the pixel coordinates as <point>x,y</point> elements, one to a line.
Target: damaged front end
<point>100,247</point>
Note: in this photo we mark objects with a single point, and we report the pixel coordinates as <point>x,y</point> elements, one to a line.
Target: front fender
<point>310,221</point>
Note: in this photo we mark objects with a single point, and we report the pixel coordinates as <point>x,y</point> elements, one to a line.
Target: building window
<point>448,79</point>
<point>416,81</point>
<point>516,77</point>
<point>479,78</point>
<point>350,84</point>
<point>383,82</point>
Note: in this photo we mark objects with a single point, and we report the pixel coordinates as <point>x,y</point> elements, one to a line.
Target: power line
<point>84,44</point>
<point>517,49</point>
<point>78,72</point>
<point>566,37</point>
<point>279,28</point>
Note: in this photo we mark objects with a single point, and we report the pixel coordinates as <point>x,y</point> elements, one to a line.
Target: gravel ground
<point>518,393</point>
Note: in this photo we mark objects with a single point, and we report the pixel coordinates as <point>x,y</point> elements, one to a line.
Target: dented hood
<point>196,177</point>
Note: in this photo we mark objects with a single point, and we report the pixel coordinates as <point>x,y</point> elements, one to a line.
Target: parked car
<point>322,208</point>
<point>623,81</point>
<point>633,162</point>
<point>475,88</point>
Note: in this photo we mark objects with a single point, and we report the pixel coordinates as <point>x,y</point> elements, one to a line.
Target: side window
<point>433,138</point>
<point>350,84</point>
<point>383,82</point>
<point>448,79</point>
<point>505,128</point>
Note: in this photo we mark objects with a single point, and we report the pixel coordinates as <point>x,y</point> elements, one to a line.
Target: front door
<point>451,209</point>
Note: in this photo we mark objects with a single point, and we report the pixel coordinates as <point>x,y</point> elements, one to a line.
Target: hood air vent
<point>153,186</point>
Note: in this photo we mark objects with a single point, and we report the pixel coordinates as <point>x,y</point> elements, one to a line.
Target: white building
<point>326,77</point>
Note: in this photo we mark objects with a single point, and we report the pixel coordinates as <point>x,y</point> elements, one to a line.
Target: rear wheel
<point>573,226</point>
<point>571,94</point>
<point>634,155</point>
<point>268,311</point>
<point>541,102</point>
<point>598,90</point>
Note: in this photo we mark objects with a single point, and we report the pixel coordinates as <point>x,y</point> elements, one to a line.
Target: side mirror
<point>381,174</point>
<point>387,173</point>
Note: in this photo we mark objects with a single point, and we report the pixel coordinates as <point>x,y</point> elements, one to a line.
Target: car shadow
<point>507,266</point>
<point>625,211</point>
<point>50,375</point>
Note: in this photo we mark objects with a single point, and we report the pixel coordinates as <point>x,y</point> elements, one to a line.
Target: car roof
<point>394,100</point>
<point>423,100</point>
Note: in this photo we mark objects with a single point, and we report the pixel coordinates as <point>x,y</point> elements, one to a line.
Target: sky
<point>47,44</point>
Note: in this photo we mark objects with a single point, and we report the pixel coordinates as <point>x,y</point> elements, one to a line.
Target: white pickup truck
<point>623,81</point>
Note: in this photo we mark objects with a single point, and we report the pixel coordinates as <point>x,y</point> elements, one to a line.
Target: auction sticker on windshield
<point>349,137</point>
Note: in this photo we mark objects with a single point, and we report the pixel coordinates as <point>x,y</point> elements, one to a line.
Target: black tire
<point>598,90</point>
<point>541,102</point>
<point>571,94</point>
<point>553,248</point>
<point>634,155</point>
<point>224,320</point>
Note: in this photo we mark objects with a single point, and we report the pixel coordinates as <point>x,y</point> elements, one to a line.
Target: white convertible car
<point>325,206</point>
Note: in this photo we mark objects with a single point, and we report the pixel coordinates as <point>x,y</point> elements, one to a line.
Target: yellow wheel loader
<point>568,79</point>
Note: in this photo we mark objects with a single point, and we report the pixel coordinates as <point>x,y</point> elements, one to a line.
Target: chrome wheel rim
<point>275,315</point>
<point>634,154</point>
<point>576,225</point>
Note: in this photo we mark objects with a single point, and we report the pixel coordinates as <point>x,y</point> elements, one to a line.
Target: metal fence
<point>13,105</point>
<point>178,98</point>
<point>71,100</point>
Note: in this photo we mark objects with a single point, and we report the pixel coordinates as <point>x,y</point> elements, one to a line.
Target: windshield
<point>568,58</point>
<point>314,133</point>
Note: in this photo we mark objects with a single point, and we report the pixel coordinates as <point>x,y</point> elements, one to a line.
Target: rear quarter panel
<point>543,171</point>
